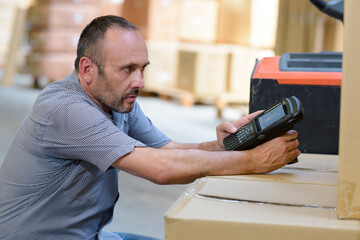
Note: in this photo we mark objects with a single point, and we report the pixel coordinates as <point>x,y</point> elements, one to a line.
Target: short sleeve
<point>81,132</point>
<point>141,128</point>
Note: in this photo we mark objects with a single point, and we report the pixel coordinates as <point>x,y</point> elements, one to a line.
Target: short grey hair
<point>89,44</point>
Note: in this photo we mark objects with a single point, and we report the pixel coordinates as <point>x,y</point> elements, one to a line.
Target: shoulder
<point>63,95</point>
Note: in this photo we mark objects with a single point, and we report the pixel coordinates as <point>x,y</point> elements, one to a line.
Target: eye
<point>144,67</point>
<point>130,68</point>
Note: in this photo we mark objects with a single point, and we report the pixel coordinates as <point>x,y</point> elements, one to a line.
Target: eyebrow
<point>135,64</point>
<point>146,64</point>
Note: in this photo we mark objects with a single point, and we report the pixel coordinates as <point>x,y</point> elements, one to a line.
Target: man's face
<point>124,60</point>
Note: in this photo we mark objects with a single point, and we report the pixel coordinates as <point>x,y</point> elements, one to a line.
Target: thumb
<point>228,127</point>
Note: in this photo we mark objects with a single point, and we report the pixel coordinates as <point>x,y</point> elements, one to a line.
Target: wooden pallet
<point>231,100</point>
<point>186,98</point>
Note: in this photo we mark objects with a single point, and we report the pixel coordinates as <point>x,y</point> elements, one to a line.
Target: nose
<point>138,81</point>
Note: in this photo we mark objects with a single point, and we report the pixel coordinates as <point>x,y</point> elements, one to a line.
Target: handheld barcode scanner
<point>273,122</point>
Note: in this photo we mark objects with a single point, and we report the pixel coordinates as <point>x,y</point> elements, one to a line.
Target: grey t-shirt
<point>56,181</point>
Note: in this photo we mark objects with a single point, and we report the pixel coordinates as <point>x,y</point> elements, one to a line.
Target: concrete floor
<point>142,204</point>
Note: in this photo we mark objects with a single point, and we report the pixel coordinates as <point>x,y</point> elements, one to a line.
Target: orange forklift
<point>314,78</point>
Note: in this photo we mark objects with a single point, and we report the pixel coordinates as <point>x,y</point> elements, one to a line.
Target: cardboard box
<point>258,191</point>
<point>317,169</point>
<point>255,208</point>
<point>234,21</point>
<point>137,12</point>
<point>203,69</point>
<point>156,19</point>
<point>349,151</point>
<point>252,23</point>
<point>54,39</point>
<point>54,66</point>
<point>68,1</point>
<point>242,63</point>
<point>62,14</point>
<point>111,7</point>
<point>198,20</point>
<point>162,71</point>
<point>263,23</point>
<point>243,22</point>
<point>163,20</point>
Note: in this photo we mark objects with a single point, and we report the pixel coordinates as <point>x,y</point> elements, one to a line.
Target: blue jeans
<point>131,236</point>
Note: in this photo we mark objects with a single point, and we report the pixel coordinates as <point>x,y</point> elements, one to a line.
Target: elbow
<point>169,174</point>
<point>163,174</point>
<point>163,169</point>
<point>161,181</point>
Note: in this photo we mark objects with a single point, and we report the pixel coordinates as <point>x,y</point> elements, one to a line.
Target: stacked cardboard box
<point>55,27</point>
<point>181,32</point>
<point>156,19</point>
<point>162,72</point>
<point>213,73</point>
<point>296,202</point>
<point>243,22</point>
<point>203,70</point>
<point>242,63</point>
<point>248,33</point>
<point>198,21</point>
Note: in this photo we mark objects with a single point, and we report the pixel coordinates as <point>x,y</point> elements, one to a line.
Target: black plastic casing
<point>294,112</point>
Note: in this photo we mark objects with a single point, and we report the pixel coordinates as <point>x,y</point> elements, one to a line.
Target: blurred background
<point>201,51</point>
<point>202,54</point>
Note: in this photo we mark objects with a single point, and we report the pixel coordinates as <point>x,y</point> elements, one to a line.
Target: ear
<point>86,70</point>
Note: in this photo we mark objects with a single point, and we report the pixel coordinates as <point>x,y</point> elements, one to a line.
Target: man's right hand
<point>275,153</point>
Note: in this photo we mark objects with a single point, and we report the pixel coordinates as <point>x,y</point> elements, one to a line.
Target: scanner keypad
<point>241,136</point>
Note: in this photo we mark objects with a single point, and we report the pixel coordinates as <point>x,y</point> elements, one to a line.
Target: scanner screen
<point>271,117</point>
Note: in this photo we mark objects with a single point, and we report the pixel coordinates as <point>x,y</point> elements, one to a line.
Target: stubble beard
<point>107,97</point>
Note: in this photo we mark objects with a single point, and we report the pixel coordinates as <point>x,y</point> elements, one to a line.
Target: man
<point>59,178</point>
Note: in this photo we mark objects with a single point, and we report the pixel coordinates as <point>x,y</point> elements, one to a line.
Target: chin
<point>125,109</point>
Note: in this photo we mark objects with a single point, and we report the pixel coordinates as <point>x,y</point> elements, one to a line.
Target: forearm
<point>170,165</point>
<point>188,165</point>
<point>174,166</point>
<point>207,146</point>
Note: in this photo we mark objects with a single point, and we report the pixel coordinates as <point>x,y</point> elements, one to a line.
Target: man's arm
<point>175,164</point>
<point>222,131</point>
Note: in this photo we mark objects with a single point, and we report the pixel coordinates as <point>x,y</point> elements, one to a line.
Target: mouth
<point>132,95</point>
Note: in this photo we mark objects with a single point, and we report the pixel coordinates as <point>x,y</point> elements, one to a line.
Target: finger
<point>292,131</point>
<point>293,154</point>
<point>244,120</point>
<point>254,114</point>
<point>241,122</point>
<point>290,135</point>
<point>228,127</point>
<point>293,144</point>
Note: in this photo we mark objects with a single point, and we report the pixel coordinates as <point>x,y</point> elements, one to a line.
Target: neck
<point>87,90</point>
